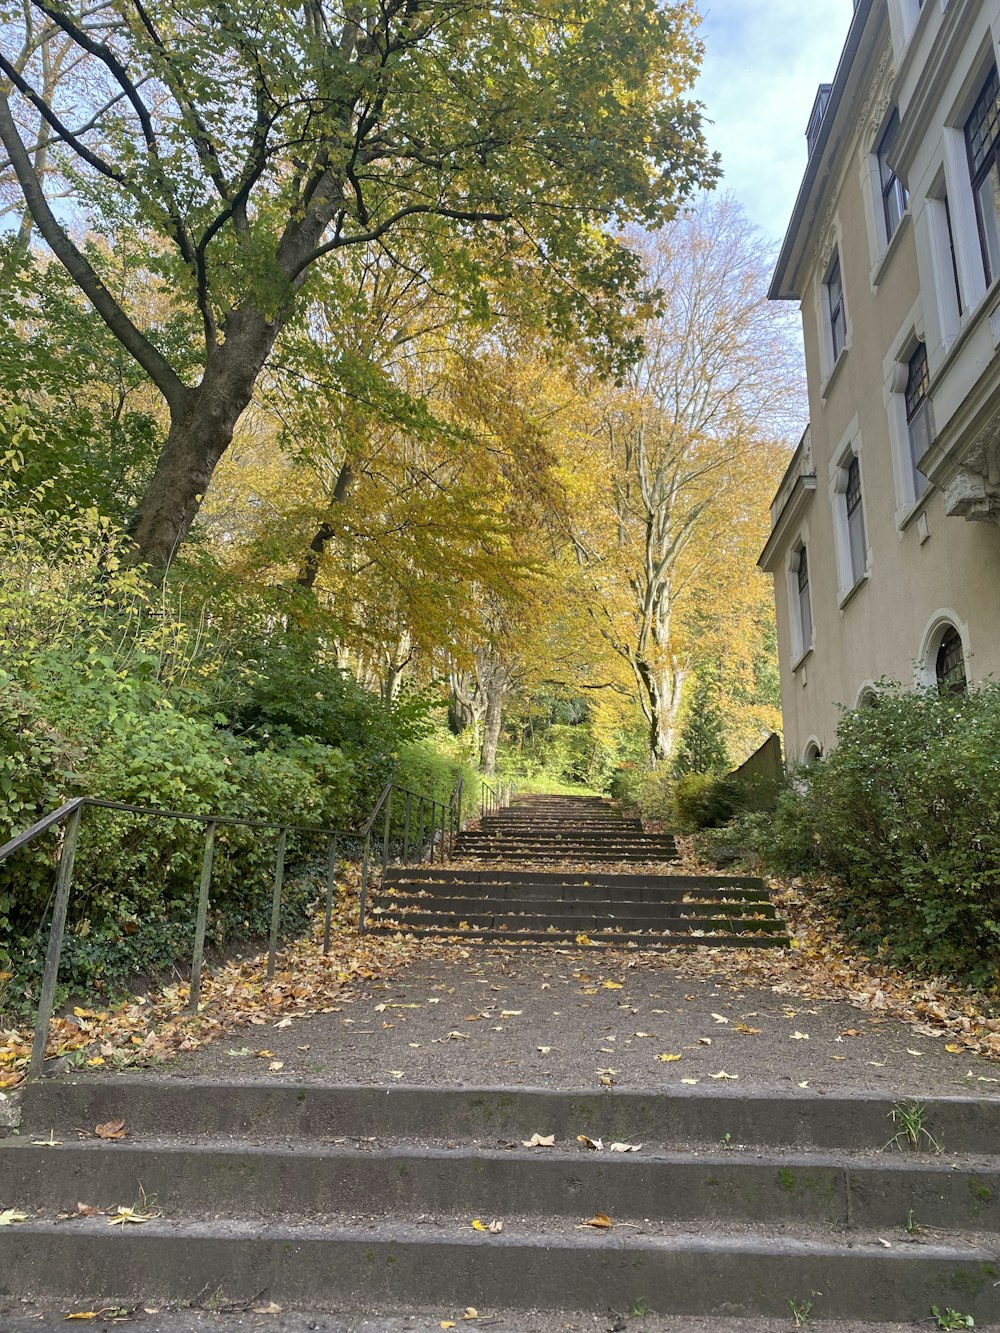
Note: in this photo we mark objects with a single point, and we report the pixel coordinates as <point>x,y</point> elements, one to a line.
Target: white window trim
<point>830,364</point>
<point>812,743</point>
<point>867,687</point>
<point>847,582</point>
<point>895,370</point>
<point>880,244</point>
<point>944,321</point>
<point>800,649</point>
<point>903,18</point>
<point>925,666</point>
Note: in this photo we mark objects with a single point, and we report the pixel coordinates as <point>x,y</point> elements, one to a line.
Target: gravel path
<point>573,1021</point>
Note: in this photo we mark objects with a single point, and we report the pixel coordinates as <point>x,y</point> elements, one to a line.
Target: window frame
<point>836,312</point>
<point>850,531</point>
<point>802,643</point>
<point>949,637</point>
<point>891,187</point>
<point>918,408</point>
<point>979,174</point>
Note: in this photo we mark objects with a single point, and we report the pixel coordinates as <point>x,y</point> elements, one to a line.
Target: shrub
<point>697,801</point>
<point>905,811</point>
<point>627,784</point>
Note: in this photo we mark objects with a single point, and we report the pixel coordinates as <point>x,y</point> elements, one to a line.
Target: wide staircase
<point>374,1199</point>
<point>574,870</point>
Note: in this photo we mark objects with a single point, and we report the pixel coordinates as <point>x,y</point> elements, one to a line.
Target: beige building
<point>885,544</point>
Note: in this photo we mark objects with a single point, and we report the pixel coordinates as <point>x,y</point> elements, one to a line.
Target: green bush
<point>905,812</point>
<point>627,784</point>
<point>702,800</point>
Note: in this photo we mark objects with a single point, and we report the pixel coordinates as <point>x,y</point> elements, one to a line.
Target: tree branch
<point>152,360</point>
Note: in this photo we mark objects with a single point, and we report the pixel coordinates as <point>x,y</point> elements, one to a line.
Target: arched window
<point>949,665</point>
<point>868,698</point>
<point>813,754</point>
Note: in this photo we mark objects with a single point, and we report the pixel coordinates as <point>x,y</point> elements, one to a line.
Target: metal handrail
<point>69,815</point>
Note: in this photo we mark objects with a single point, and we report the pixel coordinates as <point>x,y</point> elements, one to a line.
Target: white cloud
<point>764,60</point>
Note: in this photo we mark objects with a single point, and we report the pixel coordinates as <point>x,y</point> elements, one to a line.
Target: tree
<point>253,145</point>
<point>680,462</point>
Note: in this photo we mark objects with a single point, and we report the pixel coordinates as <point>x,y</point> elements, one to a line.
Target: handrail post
<point>363,900</point>
<point>46,1000</point>
<point>444,844</point>
<point>406,828</point>
<point>458,819</point>
<point>331,884</point>
<point>420,831</point>
<point>279,879</point>
<point>385,833</point>
<point>198,957</point>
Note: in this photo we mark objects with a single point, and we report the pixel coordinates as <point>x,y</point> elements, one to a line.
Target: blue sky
<point>764,60</point>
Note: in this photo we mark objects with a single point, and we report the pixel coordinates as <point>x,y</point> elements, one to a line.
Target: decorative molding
<point>973,492</point>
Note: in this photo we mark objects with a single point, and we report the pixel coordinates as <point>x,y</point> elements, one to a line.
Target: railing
<point>492,799</point>
<point>437,823</point>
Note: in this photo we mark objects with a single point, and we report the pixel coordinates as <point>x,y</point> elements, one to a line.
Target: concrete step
<point>387,1264</point>
<point>644,856</point>
<point>526,937</point>
<point>266,1109</point>
<point>318,1181</point>
<point>615,918</point>
<point>494,899</point>
<point>572,880</point>
<point>364,1197</point>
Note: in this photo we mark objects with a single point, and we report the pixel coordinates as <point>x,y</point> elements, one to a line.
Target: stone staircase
<point>490,901</point>
<point>364,1198</point>
<point>564,828</point>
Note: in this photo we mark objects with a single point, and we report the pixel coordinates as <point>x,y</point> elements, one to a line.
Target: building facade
<point>885,540</point>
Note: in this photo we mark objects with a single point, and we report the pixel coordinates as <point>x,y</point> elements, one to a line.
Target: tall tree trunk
<point>201,429</point>
<point>325,532</point>
<point>465,705</point>
<point>396,663</point>
<point>495,690</point>
<point>664,689</point>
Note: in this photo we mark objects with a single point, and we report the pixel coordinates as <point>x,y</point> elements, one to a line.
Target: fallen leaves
<point>800,1036</point>
<point>668,1058</point>
<point>540,1141</point>
<point>722,1074</point>
<point>124,1217</point>
<point>600,1222</point>
<point>111,1130</point>
<point>488,1228</point>
<point>10,1215</point>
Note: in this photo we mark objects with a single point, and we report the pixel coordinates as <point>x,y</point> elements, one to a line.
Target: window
<point>919,415</point>
<point>982,139</point>
<point>856,539</point>
<point>803,640</point>
<point>894,198</point>
<point>813,754</point>
<point>949,666</point>
<point>835,307</point>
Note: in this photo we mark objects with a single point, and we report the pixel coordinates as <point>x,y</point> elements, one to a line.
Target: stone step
<point>571,879</point>
<point>515,901</point>
<point>440,1265</point>
<point>526,937</point>
<point>315,1180</point>
<point>154,1105</point>
<point>591,922</point>
<point>501,849</point>
<point>568,855</point>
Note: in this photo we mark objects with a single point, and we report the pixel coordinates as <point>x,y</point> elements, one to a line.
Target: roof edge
<point>778,290</point>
